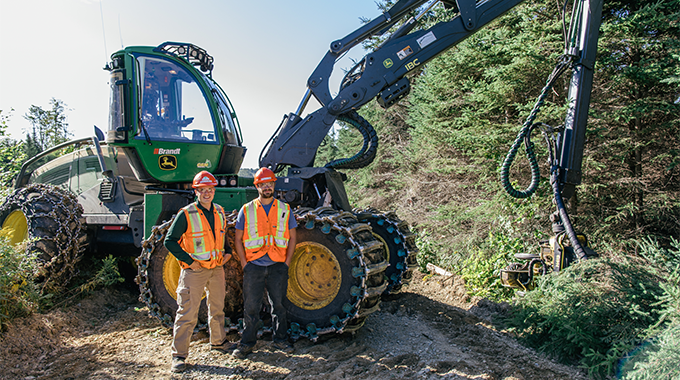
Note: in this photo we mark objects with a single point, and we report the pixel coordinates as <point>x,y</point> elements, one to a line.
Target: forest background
<point>438,168</point>
<point>442,147</point>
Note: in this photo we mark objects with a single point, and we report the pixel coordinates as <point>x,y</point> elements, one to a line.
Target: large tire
<point>336,276</point>
<point>51,222</point>
<point>355,275</point>
<point>399,243</point>
<point>158,276</point>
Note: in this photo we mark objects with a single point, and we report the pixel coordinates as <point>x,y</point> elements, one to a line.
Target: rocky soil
<point>430,331</point>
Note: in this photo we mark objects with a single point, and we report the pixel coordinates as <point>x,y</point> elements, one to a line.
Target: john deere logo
<point>388,63</point>
<point>167,162</point>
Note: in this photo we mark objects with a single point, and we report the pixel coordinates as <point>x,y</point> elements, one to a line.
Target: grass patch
<point>19,295</point>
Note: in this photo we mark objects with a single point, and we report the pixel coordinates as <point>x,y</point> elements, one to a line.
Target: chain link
<point>368,263</point>
<point>54,218</point>
<point>149,245</point>
<point>403,263</point>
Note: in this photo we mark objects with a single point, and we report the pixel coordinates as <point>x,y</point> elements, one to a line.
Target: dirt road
<point>430,331</point>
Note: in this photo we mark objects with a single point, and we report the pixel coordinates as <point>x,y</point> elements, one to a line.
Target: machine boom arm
<point>583,46</point>
<point>382,74</point>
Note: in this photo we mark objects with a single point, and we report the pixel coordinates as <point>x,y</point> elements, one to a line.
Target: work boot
<point>178,364</point>
<point>242,351</point>
<point>225,348</point>
<point>283,346</point>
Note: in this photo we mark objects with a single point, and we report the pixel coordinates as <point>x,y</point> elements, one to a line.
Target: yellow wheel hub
<point>314,276</point>
<point>15,227</point>
<point>171,270</point>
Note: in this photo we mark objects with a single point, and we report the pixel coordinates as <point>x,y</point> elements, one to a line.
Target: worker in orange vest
<point>264,242</point>
<point>197,239</point>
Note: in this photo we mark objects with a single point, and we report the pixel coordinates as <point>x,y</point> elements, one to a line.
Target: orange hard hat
<point>264,175</point>
<point>204,179</point>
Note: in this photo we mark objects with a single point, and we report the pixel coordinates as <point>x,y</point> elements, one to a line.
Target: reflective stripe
<point>266,233</point>
<point>282,226</point>
<point>253,241</point>
<point>195,227</point>
<point>197,234</point>
<point>204,256</point>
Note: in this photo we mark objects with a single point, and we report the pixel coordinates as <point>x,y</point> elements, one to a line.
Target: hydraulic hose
<point>367,153</point>
<point>525,135</point>
<point>564,217</point>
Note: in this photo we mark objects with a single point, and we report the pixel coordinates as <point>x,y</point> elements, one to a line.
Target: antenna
<point>101,12</point>
<point>120,34</point>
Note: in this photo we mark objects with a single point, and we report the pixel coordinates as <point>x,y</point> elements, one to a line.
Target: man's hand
<point>226,257</point>
<point>240,249</point>
<point>195,265</point>
<point>290,250</point>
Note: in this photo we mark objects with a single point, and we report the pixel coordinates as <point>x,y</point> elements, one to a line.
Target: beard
<point>267,193</point>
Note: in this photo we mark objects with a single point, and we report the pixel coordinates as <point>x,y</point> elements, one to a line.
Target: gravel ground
<point>430,331</point>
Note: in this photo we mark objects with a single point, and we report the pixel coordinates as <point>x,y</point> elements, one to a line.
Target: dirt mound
<point>431,331</point>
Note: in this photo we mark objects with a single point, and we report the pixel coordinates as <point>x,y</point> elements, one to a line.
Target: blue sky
<point>264,52</point>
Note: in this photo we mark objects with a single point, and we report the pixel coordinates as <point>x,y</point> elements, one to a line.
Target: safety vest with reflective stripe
<point>199,241</point>
<point>266,234</point>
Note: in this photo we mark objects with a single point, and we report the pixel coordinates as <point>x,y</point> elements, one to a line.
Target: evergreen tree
<point>631,172</point>
<point>11,155</point>
<point>466,106</point>
<point>49,127</point>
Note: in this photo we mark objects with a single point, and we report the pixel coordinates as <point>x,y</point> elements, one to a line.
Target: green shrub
<point>481,271</point>
<point>19,295</point>
<point>665,258</point>
<point>591,313</point>
<point>660,357</point>
<point>107,275</point>
<point>427,249</point>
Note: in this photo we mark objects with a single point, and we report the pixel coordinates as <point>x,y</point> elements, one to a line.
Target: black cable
<point>575,243</point>
<point>368,151</point>
<point>548,132</point>
<point>524,135</point>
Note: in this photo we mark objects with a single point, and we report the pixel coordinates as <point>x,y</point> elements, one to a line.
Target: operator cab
<point>170,118</point>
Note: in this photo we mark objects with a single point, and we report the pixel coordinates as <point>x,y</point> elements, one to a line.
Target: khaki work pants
<point>189,294</point>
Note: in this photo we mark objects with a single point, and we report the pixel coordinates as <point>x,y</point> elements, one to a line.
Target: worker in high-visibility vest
<point>264,242</point>
<point>197,239</point>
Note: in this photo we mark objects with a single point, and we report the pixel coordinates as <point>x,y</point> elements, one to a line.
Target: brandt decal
<point>167,151</point>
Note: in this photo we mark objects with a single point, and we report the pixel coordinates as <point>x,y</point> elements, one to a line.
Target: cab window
<point>226,115</point>
<point>173,107</point>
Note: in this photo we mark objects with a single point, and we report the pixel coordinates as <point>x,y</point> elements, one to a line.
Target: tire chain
<point>53,205</point>
<point>407,239</point>
<point>142,279</point>
<point>368,253</point>
<point>371,266</point>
